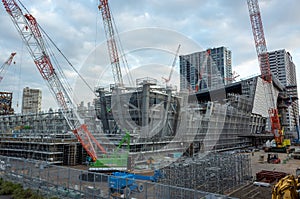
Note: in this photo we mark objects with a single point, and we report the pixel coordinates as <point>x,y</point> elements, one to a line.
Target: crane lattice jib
<point>30,33</point>
<point>11,57</point>
<point>263,58</point>
<point>173,64</point>
<point>111,42</point>
<point>259,38</point>
<point>5,65</point>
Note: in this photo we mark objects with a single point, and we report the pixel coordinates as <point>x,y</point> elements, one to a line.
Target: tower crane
<point>4,66</point>
<point>263,58</point>
<point>29,31</point>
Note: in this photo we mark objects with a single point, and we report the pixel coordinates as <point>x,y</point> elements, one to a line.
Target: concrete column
<point>145,106</point>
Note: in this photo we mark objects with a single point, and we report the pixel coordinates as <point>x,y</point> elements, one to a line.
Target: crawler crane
<point>263,58</point>
<point>34,40</point>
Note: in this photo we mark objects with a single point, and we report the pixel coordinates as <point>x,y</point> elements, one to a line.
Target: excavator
<point>287,188</point>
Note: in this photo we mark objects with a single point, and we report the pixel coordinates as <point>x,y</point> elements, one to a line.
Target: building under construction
<point>159,121</point>
<point>212,120</point>
<point>187,135</point>
<point>40,136</point>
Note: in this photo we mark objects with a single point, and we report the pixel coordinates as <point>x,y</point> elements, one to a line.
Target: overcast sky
<point>150,31</point>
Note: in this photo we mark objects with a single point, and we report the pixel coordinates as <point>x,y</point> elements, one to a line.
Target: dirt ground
<point>287,165</point>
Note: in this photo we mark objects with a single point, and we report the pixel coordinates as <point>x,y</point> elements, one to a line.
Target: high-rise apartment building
<point>282,67</point>
<point>206,69</point>
<point>32,100</point>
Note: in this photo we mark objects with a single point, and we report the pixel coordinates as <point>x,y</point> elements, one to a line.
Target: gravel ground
<point>287,165</point>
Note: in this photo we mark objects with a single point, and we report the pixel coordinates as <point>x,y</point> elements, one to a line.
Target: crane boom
<point>263,58</point>
<point>111,42</point>
<point>173,65</point>
<point>259,39</point>
<point>5,65</point>
<point>28,29</point>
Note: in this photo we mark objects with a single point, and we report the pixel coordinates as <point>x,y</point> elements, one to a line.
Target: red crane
<point>263,58</point>
<point>111,42</point>
<point>112,38</point>
<point>234,76</point>
<point>5,65</point>
<point>28,29</point>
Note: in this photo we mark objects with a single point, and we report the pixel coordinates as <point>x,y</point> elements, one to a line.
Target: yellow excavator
<point>287,188</point>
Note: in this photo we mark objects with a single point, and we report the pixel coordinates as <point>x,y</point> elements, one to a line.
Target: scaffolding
<point>54,150</point>
<point>217,173</point>
<point>160,122</point>
<point>40,136</point>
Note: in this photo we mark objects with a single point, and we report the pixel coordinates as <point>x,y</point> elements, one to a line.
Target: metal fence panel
<point>65,182</point>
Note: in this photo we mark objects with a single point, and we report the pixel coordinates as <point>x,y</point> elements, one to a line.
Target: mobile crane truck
<point>125,183</point>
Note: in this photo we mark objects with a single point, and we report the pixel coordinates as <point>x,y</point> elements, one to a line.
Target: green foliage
<point>7,188</point>
<point>16,191</point>
<point>24,194</point>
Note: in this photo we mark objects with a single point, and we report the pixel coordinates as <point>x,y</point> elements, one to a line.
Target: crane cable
<point>20,76</point>
<point>85,82</point>
<point>123,55</point>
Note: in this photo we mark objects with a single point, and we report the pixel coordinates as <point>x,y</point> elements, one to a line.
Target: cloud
<point>76,27</point>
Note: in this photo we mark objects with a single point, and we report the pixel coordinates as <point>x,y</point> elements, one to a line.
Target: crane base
<point>276,149</point>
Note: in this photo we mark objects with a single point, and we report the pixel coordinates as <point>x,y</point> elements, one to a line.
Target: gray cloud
<point>77,29</point>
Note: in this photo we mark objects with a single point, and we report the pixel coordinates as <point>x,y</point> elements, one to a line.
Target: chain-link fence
<point>63,182</point>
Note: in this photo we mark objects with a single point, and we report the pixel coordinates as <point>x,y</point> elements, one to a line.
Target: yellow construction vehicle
<point>286,188</point>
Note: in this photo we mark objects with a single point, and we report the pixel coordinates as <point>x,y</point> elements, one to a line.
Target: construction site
<point>210,139</point>
<point>194,127</point>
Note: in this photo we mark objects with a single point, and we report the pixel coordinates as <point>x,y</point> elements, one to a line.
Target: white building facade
<point>31,101</point>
